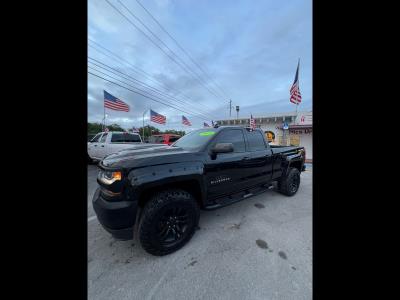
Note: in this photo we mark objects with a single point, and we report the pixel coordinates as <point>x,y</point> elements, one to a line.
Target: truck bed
<point>285,149</point>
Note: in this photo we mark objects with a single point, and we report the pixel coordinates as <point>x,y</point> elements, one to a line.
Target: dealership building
<point>282,128</point>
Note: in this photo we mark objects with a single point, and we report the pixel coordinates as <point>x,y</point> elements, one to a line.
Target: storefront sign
<point>301,131</point>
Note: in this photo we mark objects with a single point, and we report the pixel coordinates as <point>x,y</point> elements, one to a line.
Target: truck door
<point>94,145</point>
<point>226,173</point>
<point>260,158</point>
<point>102,148</point>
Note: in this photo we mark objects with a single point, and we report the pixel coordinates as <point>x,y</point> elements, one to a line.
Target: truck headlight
<point>109,177</point>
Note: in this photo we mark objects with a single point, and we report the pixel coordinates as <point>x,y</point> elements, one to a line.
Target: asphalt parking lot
<point>259,248</point>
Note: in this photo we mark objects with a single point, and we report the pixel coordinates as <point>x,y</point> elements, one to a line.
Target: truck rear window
<point>256,140</point>
<point>125,138</point>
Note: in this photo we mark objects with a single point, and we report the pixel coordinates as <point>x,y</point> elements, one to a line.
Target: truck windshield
<point>195,139</point>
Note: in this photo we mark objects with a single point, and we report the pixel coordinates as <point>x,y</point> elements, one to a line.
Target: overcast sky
<point>249,49</point>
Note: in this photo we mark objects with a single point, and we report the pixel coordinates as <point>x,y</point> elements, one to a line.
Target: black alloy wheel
<point>294,183</point>
<point>173,226</point>
<point>290,182</point>
<point>168,221</point>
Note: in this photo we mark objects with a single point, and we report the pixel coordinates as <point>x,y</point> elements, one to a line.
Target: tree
<point>149,130</point>
<point>114,127</point>
<point>96,127</point>
<point>173,131</point>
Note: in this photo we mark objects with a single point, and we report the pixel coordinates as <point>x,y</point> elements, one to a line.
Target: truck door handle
<point>102,146</point>
<point>95,145</point>
<point>246,158</point>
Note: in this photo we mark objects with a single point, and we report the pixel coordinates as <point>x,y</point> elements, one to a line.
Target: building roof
<point>271,115</point>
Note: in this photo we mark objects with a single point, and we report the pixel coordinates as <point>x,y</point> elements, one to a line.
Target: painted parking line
<point>91,218</point>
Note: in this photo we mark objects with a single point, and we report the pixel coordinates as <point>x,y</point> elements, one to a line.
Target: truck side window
<point>234,136</point>
<point>103,138</point>
<point>96,138</point>
<point>256,140</point>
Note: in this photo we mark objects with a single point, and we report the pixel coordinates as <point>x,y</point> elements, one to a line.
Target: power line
<point>133,67</point>
<point>162,85</point>
<point>160,98</point>
<point>183,50</point>
<point>166,46</point>
<point>141,83</point>
<point>144,95</point>
<point>158,46</point>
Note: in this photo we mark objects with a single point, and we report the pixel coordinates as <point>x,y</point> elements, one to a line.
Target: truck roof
<point>234,127</point>
<point>120,132</point>
<point>163,134</point>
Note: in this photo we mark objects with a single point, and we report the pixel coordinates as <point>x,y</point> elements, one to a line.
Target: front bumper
<point>117,217</point>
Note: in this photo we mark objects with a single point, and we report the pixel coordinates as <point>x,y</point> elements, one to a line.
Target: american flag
<point>185,121</point>
<point>134,129</point>
<point>114,103</point>
<point>295,96</point>
<point>157,118</point>
<point>106,129</point>
<point>252,123</point>
<point>206,125</point>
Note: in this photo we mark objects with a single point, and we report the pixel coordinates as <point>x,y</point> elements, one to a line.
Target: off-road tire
<point>153,213</point>
<point>289,184</point>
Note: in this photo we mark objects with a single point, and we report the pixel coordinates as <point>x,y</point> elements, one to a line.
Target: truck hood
<point>149,156</point>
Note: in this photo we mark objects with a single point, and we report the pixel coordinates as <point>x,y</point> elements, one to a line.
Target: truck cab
<point>105,143</point>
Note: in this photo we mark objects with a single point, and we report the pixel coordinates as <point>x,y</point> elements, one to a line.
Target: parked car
<point>105,143</point>
<point>166,138</point>
<point>163,188</point>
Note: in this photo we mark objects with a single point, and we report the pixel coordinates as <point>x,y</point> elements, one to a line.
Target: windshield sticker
<point>206,133</point>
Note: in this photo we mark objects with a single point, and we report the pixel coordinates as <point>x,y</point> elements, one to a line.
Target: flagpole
<point>104,117</point>
<point>298,68</point>
<point>148,125</point>
<point>143,124</point>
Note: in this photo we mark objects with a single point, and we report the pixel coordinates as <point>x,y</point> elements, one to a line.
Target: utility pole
<point>230,108</point>
<point>143,124</point>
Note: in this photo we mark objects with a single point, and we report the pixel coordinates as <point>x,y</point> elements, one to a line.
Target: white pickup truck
<point>105,143</point>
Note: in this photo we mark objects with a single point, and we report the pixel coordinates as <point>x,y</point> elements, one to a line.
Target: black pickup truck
<point>162,189</point>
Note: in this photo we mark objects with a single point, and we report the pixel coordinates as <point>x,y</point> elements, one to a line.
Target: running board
<point>239,196</point>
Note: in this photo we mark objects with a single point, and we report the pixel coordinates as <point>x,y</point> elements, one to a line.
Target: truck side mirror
<point>222,148</point>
